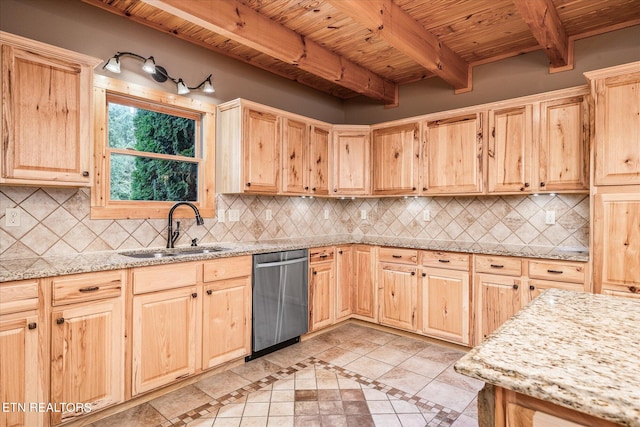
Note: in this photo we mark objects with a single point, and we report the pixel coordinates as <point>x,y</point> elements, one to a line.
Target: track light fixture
<point>158,73</point>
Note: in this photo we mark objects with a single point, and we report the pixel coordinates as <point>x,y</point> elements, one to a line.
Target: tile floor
<point>350,376</point>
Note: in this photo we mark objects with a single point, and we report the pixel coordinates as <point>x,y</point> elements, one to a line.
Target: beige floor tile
<point>380,407</point>
<point>143,415</point>
<point>201,422</point>
<point>232,410</point>
<point>441,354</point>
<point>450,376</point>
<point>180,401</point>
<point>338,356</point>
<point>313,346</point>
<point>405,380</point>
<point>408,345</point>
<point>282,395</point>
<point>259,396</point>
<point>330,407</point>
<point>377,337</point>
<point>308,421</point>
<point>412,420</point>
<point>373,394</point>
<point>253,422</point>
<point>287,356</point>
<point>306,384</point>
<point>465,421</point>
<point>327,383</point>
<point>279,409</point>
<point>333,420</point>
<point>389,355</point>
<point>227,422</point>
<point>347,383</point>
<point>447,395</point>
<point>222,383</point>
<point>386,420</point>
<point>306,408</point>
<point>425,367</point>
<point>355,407</point>
<point>472,409</point>
<point>403,407</point>
<point>280,421</point>
<point>306,373</point>
<point>359,345</point>
<point>368,367</point>
<point>256,369</point>
<point>360,421</point>
<point>285,384</point>
<point>256,409</point>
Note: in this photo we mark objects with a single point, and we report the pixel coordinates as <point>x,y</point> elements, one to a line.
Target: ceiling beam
<point>544,23</point>
<point>400,30</point>
<point>242,24</point>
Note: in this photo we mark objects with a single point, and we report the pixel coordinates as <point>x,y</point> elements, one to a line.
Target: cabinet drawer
<point>404,256</point>
<point>161,277</point>
<point>18,296</point>
<point>558,271</point>
<point>87,287</point>
<point>498,265</point>
<point>621,291</point>
<point>227,268</point>
<point>321,254</point>
<point>449,260</point>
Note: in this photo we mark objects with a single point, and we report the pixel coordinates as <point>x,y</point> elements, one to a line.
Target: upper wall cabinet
<point>351,162</point>
<point>617,124</point>
<point>396,159</point>
<point>247,149</point>
<point>46,114</point>
<point>452,155</point>
<point>305,158</point>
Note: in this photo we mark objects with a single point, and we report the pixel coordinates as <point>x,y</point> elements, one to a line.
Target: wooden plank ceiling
<point>349,48</point>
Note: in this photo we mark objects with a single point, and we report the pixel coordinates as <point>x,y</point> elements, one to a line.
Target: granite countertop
<point>573,349</point>
<point>32,268</point>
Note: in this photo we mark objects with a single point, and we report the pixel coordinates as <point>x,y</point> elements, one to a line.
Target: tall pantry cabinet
<point>616,193</point>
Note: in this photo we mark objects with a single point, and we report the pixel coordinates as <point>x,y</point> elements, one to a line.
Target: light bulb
<point>113,65</point>
<point>149,65</point>
<point>182,88</point>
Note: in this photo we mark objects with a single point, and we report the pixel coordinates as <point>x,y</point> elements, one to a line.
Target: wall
<point>55,221</point>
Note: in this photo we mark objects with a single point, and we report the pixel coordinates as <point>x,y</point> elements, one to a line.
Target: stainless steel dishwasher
<point>280,300</point>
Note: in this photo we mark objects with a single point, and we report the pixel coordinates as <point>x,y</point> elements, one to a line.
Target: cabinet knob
<point>633,289</point>
<point>424,188</point>
<point>306,188</point>
<point>515,286</point>
<point>85,173</point>
<point>32,325</point>
<point>526,184</point>
<point>313,189</point>
<point>194,295</point>
<point>315,272</point>
<point>542,183</point>
<point>248,184</point>
<point>340,252</point>
<point>413,273</point>
<point>532,288</point>
<point>60,320</point>
<point>209,291</point>
<point>335,190</point>
<point>521,188</point>
<point>424,274</point>
<point>413,188</point>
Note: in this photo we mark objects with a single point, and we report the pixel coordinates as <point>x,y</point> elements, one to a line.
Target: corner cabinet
<point>47,120</point>
<point>350,147</point>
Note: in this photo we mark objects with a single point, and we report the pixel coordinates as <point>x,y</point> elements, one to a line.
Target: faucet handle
<point>194,242</point>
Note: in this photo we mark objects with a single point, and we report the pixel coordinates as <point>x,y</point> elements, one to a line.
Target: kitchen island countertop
<point>38,267</point>
<point>573,349</point>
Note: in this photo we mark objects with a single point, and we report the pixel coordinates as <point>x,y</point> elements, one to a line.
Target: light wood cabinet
<point>248,146</point>
<point>22,369</point>
<point>563,154</point>
<point>510,149</point>
<point>396,159</point>
<point>446,296</point>
<point>87,336</point>
<point>616,239</point>
<point>452,155</point>
<point>46,92</point>
<point>305,162</point>
<point>322,287</point>
<point>351,173</point>
<point>319,160</point>
<point>344,280</point>
<point>616,92</point>
<point>164,337</point>
<point>398,288</point>
<point>365,301</point>
<point>496,299</point>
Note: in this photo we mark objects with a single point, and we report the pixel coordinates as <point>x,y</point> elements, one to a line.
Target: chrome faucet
<point>172,236</point>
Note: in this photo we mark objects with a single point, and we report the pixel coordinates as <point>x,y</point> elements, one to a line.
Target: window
<point>152,149</point>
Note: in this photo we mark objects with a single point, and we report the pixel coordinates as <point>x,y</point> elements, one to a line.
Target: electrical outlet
<point>12,217</point>
<point>550,217</point>
<point>220,215</point>
<point>234,215</point>
<point>363,214</point>
<point>426,215</point>
<point>326,213</point>
<point>268,214</point>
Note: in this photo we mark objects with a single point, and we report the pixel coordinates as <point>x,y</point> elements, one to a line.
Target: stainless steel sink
<point>173,253</point>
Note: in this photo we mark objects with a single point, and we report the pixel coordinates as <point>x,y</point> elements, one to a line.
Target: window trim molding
<point>101,206</point>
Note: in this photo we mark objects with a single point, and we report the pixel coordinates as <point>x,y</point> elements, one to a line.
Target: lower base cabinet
<point>497,298</point>
<point>321,288</point>
<point>398,285</point>
<point>344,282</point>
<point>365,297</point>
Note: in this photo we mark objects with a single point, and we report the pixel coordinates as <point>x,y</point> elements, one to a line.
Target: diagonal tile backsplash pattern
<point>56,221</point>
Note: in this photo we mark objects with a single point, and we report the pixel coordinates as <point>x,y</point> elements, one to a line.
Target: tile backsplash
<point>56,221</point>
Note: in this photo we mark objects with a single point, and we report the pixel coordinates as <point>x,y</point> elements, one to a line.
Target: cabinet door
<point>617,151</point>
<point>164,337</point>
<point>261,143</point>
<point>226,327</point>
<point>321,295</point>
<point>396,158</point>
<point>351,172</point>
<point>46,129</point>
<point>616,243</point>
<point>452,157</point>
<point>344,280</point>
<point>87,356</point>
<point>535,287</point>
<point>319,161</point>
<point>445,304</point>
<point>510,150</point>
<point>364,287</point>
<point>20,372</point>
<point>295,146</point>
<point>564,145</point>
<point>398,285</point>
<point>497,298</point>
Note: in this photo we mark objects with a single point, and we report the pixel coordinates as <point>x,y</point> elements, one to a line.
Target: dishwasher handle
<point>280,263</point>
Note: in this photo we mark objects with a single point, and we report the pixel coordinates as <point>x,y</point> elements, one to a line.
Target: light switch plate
<point>220,215</point>
<point>426,215</point>
<point>326,213</point>
<point>268,215</point>
<point>363,214</point>
<point>234,215</point>
<point>550,217</point>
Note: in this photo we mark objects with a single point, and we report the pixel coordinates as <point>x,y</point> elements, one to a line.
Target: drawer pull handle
<point>497,266</point>
<point>60,320</point>
<point>324,255</point>
<point>89,289</point>
<point>209,291</point>
<point>555,271</point>
<point>396,256</point>
<point>182,376</point>
<point>515,287</point>
<point>443,260</point>
<point>33,325</point>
